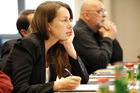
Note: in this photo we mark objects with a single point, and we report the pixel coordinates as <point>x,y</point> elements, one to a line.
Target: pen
<point>68,72</point>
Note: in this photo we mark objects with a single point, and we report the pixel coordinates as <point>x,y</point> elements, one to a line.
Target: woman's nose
<point>69,25</point>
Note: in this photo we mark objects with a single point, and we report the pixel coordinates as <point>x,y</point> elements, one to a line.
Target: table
<point>92,86</point>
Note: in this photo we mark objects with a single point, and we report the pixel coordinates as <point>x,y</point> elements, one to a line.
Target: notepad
<point>104,72</point>
<point>88,88</point>
<point>84,88</point>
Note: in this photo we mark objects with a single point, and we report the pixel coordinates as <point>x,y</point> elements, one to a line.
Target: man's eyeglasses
<point>101,12</point>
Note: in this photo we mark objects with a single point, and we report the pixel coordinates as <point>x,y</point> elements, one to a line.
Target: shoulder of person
<point>10,42</point>
<point>28,40</point>
<point>7,46</point>
<point>31,42</point>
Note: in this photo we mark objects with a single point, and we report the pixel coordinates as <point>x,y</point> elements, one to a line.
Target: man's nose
<point>104,15</point>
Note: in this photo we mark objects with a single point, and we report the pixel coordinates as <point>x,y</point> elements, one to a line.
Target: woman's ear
<point>49,27</point>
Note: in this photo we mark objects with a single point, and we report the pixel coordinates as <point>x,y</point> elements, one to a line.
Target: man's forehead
<point>99,5</point>
<point>93,4</point>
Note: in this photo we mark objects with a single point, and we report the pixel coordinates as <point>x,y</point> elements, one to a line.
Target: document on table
<point>103,73</point>
<point>88,88</point>
<point>85,87</point>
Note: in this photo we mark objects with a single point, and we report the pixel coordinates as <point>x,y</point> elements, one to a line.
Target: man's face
<point>23,31</point>
<point>97,15</point>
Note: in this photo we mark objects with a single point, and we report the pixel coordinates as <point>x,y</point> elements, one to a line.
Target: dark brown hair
<point>22,21</point>
<point>45,14</point>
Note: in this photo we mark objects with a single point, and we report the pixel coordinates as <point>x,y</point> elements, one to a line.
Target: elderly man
<point>95,41</point>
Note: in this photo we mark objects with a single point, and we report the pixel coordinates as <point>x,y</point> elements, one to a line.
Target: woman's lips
<point>69,33</point>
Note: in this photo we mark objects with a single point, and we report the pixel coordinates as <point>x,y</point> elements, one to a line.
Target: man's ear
<point>86,15</point>
<point>23,32</point>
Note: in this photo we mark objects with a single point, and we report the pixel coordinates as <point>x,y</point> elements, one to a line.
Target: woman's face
<point>61,27</point>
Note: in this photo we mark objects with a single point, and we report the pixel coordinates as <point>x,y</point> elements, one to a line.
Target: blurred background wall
<point>126,15</point>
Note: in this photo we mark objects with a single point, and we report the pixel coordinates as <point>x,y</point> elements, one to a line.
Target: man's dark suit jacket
<point>95,51</point>
<point>5,50</point>
<point>26,66</point>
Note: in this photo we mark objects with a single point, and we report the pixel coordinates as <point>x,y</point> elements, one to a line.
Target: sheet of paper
<point>89,87</point>
<point>85,87</point>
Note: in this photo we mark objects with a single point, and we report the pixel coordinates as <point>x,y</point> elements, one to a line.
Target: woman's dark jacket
<point>26,66</point>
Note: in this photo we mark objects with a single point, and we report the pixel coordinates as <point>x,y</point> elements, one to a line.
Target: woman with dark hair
<point>38,61</point>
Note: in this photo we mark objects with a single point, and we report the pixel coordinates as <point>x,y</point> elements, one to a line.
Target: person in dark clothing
<point>22,24</point>
<point>38,61</point>
<point>117,53</point>
<point>94,41</point>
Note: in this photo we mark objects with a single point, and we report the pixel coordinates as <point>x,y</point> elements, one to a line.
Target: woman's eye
<point>65,20</point>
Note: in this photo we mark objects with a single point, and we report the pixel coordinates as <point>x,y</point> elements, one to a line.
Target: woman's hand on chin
<point>69,40</point>
<point>68,45</point>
